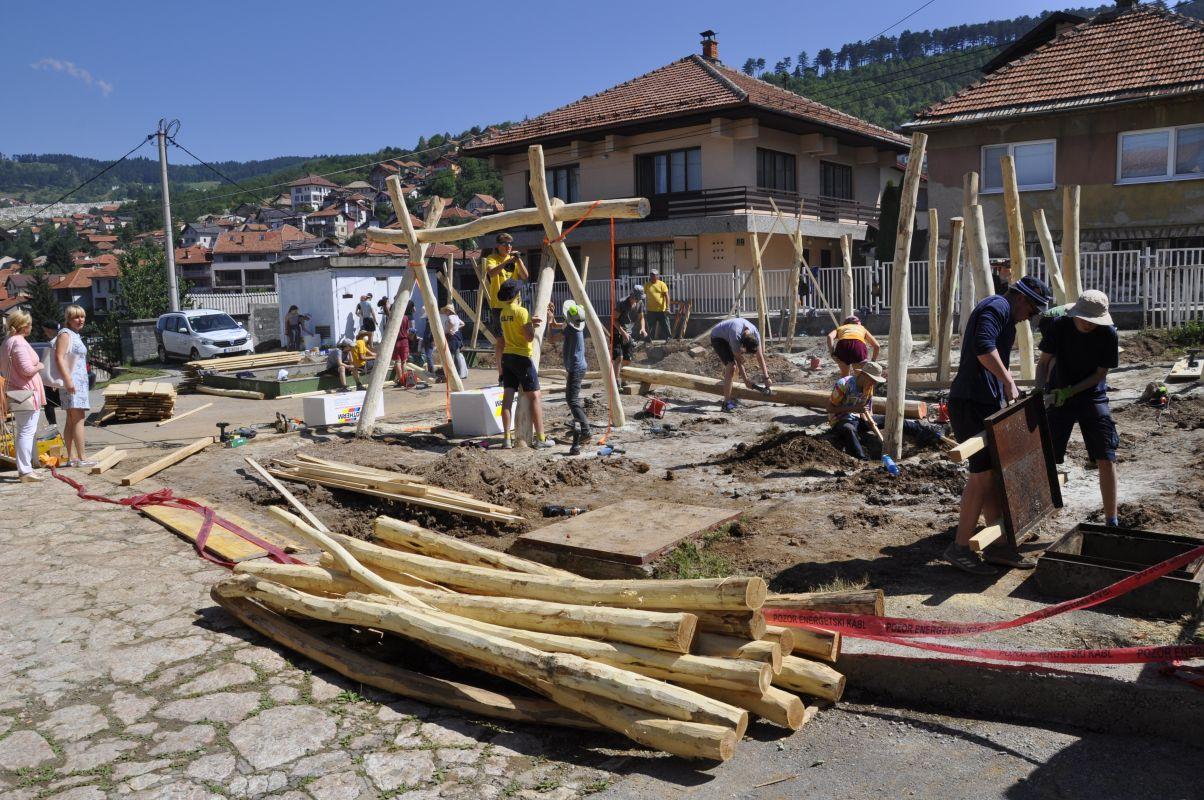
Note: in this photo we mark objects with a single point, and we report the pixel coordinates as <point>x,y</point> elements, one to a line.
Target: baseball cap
<point>574,315</point>
<point>508,290</point>
<point>1034,290</point>
<point>1092,306</point>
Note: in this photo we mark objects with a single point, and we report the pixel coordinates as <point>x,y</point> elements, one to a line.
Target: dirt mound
<point>1143,516</point>
<point>792,452</point>
<point>1145,347</point>
<point>1187,413</point>
<point>676,358</point>
<point>924,483</point>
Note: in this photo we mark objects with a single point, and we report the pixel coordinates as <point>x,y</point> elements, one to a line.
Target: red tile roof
<point>258,241</point>
<point>197,254</point>
<point>82,277</point>
<point>1117,56</point>
<point>313,180</point>
<point>329,211</point>
<point>687,87</point>
<point>371,248</point>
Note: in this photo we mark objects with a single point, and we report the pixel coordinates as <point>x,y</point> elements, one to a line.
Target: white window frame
<point>1171,147</point>
<point>1011,146</point>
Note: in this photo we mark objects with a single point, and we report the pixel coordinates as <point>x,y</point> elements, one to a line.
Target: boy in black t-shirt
<point>1077,350</point>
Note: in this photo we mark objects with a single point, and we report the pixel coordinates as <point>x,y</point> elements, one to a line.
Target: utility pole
<point>173,292</point>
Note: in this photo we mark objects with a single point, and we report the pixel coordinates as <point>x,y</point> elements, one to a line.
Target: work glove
<point>1058,397</point>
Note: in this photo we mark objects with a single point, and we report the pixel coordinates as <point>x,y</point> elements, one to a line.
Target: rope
<point>573,227</point>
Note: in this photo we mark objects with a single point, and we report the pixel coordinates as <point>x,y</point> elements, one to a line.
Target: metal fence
<point>239,304</point>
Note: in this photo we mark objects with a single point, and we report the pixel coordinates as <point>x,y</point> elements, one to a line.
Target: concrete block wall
<point>138,342</point>
<point>263,322</point>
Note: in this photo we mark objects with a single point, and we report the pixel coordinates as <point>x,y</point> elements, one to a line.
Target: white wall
<point>321,295</point>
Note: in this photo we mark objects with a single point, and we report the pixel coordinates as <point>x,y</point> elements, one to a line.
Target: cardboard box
<point>337,409</point>
<point>477,412</point>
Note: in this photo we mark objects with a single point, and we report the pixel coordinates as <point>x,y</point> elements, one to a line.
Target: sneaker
<point>967,560</point>
<point>82,464</point>
<point>574,450</point>
<point>543,444</point>
<point>1007,556</point>
<point>32,477</point>
<point>507,443</point>
<point>729,406</point>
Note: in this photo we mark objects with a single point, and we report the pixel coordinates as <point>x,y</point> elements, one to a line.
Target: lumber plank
<point>288,496</point>
<point>986,537</point>
<point>108,463</point>
<point>967,448</point>
<point>166,461</point>
<point>185,414</point>
<point>221,543</point>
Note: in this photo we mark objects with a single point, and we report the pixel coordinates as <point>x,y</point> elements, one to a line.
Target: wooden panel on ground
<point>618,540</point>
<point>221,543</point>
<point>1185,370</point>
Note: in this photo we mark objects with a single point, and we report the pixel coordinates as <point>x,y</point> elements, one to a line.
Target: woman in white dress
<point>71,357</point>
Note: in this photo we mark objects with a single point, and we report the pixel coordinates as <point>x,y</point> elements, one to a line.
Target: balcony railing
<point>736,199</point>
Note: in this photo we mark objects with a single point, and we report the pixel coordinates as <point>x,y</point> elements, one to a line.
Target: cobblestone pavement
<point>119,677</point>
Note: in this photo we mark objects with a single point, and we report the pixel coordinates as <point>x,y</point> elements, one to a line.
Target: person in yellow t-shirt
<point>848,345</point>
<point>501,265</point>
<point>518,369</point>
<point>363,357</point>
<point>657,293</point>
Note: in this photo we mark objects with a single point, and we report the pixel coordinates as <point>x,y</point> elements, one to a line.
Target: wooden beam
<point>547,215</point>
<point>900,316</point>
<point>980,259</point>
<point>181,416</point>
<point>1071,276</point>
<point>108,462</point>
<point>1053,267</point>
<point>458,298</point>
<point>934,275</point>
<point>967,448</point>
<point>482,290</point>
<point>846,276</point>
<point>240,394</point>
<point>160,464</point>
<point>948,291</point>
<point>1018,258</point>
<point>288,496</point>
<point>524,423</point>
<point>986,537</point>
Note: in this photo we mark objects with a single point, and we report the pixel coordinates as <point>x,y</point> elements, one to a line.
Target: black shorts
<point>368,324</point>
<point>493,322</point>
<point>1095,423</point>
<point>723,350</point>
<point>622,348</point>
<point>969,419</point>
<point>518,372</point>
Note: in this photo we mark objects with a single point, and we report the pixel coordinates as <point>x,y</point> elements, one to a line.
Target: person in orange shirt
<point>849,345</point>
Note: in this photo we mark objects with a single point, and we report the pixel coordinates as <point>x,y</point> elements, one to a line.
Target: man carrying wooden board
<point>501,265</point>
<point>982,386</point>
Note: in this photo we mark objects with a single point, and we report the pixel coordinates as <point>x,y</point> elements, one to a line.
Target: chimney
<point>710,47</point>
<point>1125,5</point>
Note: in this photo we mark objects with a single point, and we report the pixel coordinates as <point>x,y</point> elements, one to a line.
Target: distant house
<point>480,204</point>
<point>91,287</point>
<point>444,162</point>
<point>272,218</point>
<point>310,191</point>
<point>1114,104</point>
<point>195,264</point>
<point>200,233</point>
<point>400,167</point>
<point>331,221</point>
<point>243,259</point>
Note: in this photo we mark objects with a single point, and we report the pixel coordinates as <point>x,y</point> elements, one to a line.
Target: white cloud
<point>75,71</point>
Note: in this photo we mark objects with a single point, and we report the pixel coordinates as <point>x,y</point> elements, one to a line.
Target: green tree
<point>888,222</point>
<point>58,251</point>
<point>42,305</point>
<point>355,239</point>
<point>443,184</point>
<point>142,288</point>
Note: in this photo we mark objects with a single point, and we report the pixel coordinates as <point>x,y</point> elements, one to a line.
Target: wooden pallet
<point>139,400</point>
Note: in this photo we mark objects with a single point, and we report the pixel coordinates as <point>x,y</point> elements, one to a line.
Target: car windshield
<point>212,322</point>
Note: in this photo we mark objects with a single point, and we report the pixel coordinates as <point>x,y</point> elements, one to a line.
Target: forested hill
<point>888,79</point>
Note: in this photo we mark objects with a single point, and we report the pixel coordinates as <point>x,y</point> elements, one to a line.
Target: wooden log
<point>240,394</point>
<point>899,355</point>
<point>775,705</point>
<point>160,464</point>
<point>720,646</point>
<point>108,463</point>
<point>1053,267</point>
<point>360,668</point>
<point>430,302</point>
<point>986,537</point>
<point>325,560</point>
<point>705,594</point>
<point>1018,258</point>
<point>984,284</point>
<point>621,208</point>
<point>846,282</point>
<point>788,395</point>
<point>759,284</point>
<point>744,624</point>
<point>967,448</point>
<point>416,539</point>
<point>812,643</point>
<point>1071,277</point>
<point>810,678</point>
<point>947,293</point>
<point>387,474</point>
<point>549,214</point>
<point>934,276</point>
<point>477,327</point>
<point>181,416</point>
<point>853,601</point>
<point>783,636</point>
<point>288,496</point>
<point>473,316</point>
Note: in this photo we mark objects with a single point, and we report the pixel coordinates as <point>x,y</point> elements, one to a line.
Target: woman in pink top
<point>19,365</point>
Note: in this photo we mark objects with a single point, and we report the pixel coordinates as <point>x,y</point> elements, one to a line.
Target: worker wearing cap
<point>731,340</point>
<point>518,366</point>
<point>983,385</point>
<point>629,314</point>
<point>501,265</point>
<point>453,328</point>
<point>573,349</point>
<point>657,293</point>
<point>1077,350</point>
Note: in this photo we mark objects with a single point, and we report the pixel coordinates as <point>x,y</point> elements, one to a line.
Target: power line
<point>213,169</point>
<point>88,181</point>
<point>916,72</point>
<point>900,22</point>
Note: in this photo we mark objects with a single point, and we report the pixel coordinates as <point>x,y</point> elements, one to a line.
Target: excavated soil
<point>792,452</point>
<point>676,357</point>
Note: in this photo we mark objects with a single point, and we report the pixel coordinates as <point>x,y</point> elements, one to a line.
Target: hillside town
<point>696,437</point>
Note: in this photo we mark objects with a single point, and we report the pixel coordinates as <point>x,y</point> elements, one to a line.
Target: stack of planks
<point>676,665</point>
<point>389,485</point>
<point>138,400</point>
<point>194,371</point>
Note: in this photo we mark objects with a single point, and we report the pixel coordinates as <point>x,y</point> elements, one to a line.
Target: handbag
<point>50,368</point>
<point>21,400</point>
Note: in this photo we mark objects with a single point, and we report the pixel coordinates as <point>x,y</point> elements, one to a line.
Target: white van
<point>201,333</point>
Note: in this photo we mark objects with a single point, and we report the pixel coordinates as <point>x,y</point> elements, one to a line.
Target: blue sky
<point>261,79</point>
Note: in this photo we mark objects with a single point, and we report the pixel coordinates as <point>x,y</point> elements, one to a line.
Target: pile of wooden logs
<point>138,400</point>
<point>389,485</point>
<point>675,665</point>
<point>194,371</point>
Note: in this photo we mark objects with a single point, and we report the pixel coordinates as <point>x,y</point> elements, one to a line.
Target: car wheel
<point>162,354</point>
<point>194,354</point>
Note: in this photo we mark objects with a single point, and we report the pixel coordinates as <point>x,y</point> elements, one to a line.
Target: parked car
<point>201,333</point>
<point>46,353</point>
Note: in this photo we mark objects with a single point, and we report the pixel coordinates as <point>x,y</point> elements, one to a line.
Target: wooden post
<point>523,422</point>
<point>846,282</point>
<point>1053,268</point>
<point>980,258</point>
<point>759,284</point>
<point>969,192</point>
<point>934,275</point>
<point>458,299</point>
<point>1071,277</point>
<point>801,268</point>
<point>948,290</point>
<point>1018,257</point>
<point>481,292</point>
<point>792,289</point>
<point>585,269</point>
<point>539,193</point>
<point>429,300</point>
<point>900,319</point>
<point>969,292</point>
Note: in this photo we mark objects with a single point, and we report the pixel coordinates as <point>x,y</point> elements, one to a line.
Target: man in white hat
<point>1077,350</point>
<point>851,410</point>
<point>573,349</point>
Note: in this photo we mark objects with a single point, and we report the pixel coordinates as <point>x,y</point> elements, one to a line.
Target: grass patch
<point>839,584</point>
<point>1186,336</point>
<point>132,374</point>
<point>694,560</point>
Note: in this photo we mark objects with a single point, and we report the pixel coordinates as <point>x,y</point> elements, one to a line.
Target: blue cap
<point>1035,290</point>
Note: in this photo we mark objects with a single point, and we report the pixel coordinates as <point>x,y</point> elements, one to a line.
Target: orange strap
<point>573,227</point>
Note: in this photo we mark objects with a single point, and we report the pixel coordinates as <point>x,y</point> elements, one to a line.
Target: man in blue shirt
<point>573,349</point>
<point>982,386</point>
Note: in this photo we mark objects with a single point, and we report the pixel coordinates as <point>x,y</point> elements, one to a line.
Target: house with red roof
<point>710,147</point>
<point>195,264</point>
<point>481,204</point>
<point>1113,104</point>
<point>247,258</point>
<point>310,191</point>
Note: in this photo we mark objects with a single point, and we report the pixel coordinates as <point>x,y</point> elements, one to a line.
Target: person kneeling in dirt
<point>848,345</point>
<point>731,340</point>
<point>574,367</point>
<point>518,368</point>
<point>982,386</point>
<point>850,410</point>
<point>1077,350</point>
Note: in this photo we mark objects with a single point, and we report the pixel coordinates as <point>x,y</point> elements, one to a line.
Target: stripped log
<point>720,646</point>
<point>810,678</point>
<point>1071,277</point>
<point>1053,265</point>
<point>774,705</point>
<point>947,294</point>
<point>416,539</point>
<point>1018,258</point>
<point>744,624</point>
<point>240,394</point>
<point>813,643</point>
<point>854,601</point>
<point>782,635</point>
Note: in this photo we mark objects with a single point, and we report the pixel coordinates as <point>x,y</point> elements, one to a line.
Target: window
<point>776,170</point>
<point>835,180</point>
<point>1163,154</point>
<point>640,259</point>
<point>665,173</point>
<point>1034,165</point>
<point>562,182</point>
